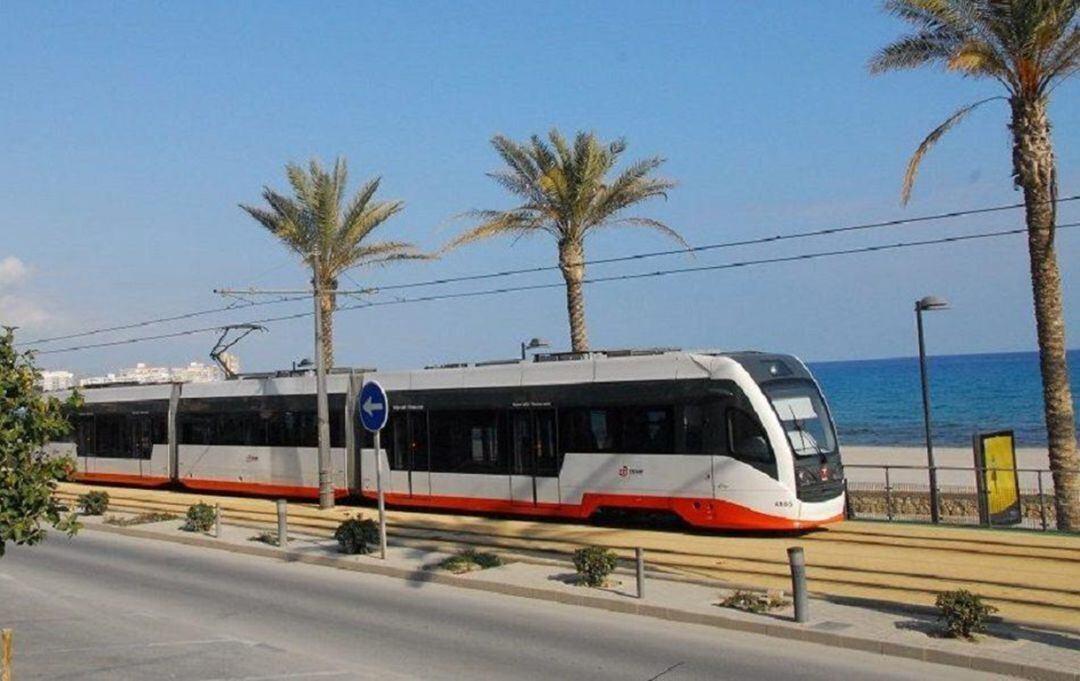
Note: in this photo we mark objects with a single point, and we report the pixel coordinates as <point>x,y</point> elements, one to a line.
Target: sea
<point>879,401</point>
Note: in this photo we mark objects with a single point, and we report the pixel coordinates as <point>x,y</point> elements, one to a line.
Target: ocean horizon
<point>879,401</point>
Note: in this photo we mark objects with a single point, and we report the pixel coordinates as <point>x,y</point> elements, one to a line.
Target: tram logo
<point>626,471</point>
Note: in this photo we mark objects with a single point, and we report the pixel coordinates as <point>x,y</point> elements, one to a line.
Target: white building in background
<point>195,372</point>
<point>56,380</point>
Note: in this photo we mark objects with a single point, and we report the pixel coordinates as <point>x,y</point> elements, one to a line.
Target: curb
<point>776,630</point>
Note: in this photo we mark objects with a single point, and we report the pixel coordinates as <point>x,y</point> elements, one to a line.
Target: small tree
<point>963,612</point>
<point>357,535</point>
<point>200,518</point>
<point>95,502</point>
<point>28,477</point>
<point>594,564</point>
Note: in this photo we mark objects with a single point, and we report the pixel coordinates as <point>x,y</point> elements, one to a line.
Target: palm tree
<point>566,193</point>
<point>314,223</point>
<point>1029,47</point>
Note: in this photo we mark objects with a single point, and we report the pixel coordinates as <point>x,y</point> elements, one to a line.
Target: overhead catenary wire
<point>550,268</point>
<point>590,280</point>
<point>163,320</point>
<point>723,244</point>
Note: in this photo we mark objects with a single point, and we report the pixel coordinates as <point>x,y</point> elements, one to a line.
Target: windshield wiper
<point>803,434</point>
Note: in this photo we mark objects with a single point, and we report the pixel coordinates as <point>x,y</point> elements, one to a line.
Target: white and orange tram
<point>740,440</point>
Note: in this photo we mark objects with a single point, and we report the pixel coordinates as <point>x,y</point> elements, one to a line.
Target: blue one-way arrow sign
<point>373,406</point>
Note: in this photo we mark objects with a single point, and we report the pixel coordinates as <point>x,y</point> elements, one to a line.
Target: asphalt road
<point>109,607</point>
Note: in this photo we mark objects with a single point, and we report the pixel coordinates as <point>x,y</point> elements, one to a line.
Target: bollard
<point>888,495</point>
<point>282,524</point>
<point>5,654</point>
<point>639,556</point>
<point>797,560</point>
<point>217,521</point>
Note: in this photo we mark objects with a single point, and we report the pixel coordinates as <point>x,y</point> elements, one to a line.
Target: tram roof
<point>551,369</point>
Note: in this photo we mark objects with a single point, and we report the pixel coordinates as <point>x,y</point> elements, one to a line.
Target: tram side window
<point>270,423</point>
<point>467,442</point>
<point>747,442</point>
<point>630,430</point>
<point>588,430</point>
<point>118,436</point>
<point>647,430</point>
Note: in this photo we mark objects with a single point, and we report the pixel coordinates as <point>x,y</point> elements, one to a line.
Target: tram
<point>737,440</point>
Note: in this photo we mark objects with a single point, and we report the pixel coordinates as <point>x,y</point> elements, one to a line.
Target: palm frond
<point>931,140</point>
<point>565,187</point>
<point>313,220</point>
<point>1063,60</point>
<point>651,224</point>
<point>915,50</point>
<point>497,223</point>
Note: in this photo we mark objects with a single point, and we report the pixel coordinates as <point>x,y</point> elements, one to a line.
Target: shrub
<point>594,564</point>
<point>470,559</point>
<point>200,518</point>
<point>266,537</point>
<point>963,612</point>
<point>748,601</point>
<point>357,535</point>
<point>140,519</point>
<point>94,503</point>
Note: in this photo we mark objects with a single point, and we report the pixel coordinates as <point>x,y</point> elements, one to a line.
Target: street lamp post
<point>532,345</point>
<point>929,303</point>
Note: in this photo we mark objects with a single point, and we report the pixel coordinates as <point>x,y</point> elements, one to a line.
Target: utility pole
<point>326,477</point>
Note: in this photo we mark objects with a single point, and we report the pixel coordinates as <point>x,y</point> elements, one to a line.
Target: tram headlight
<point>805,477</point>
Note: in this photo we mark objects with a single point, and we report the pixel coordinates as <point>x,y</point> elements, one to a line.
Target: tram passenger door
<point>409,454</point>
<point>534,465</point>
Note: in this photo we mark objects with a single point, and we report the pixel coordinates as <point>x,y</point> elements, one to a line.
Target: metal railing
<point>903,492</point>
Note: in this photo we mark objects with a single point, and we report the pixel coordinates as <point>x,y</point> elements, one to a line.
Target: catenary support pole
<point>639,558</point>
<point>797,561</point>
<point>326,480</point>
<point>282,524</point>
<point>379,491</point>
<point>217,520</point>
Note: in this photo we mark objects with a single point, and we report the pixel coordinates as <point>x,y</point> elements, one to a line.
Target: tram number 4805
<point>784,504</point>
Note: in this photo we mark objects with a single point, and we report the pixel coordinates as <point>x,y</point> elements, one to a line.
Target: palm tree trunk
<point>572,264</point>
<point>328,302</point>
<point>1034,171</point>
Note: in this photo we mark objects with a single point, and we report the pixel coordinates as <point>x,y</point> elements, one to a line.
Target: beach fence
<point>902,493</point>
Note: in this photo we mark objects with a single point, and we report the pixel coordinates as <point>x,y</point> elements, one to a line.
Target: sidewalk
<point>1008,648</point>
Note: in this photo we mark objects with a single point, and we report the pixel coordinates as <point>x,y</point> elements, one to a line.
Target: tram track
<point>1030,577</point>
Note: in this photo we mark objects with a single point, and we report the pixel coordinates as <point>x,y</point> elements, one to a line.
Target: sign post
<point>373,408</point>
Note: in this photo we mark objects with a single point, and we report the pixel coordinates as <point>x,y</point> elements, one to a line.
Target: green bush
<point>357,535</point>
<point>594,564</point>
<point>200,518</point>
<point>470,559</point>
<point>94,503</point>
<point>963,612</point>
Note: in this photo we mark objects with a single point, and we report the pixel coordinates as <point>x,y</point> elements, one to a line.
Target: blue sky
<point>130,131</point>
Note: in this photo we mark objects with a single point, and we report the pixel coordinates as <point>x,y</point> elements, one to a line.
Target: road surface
<point>103,606</point>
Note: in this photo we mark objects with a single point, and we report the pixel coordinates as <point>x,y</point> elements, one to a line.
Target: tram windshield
<point>803,414</point>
